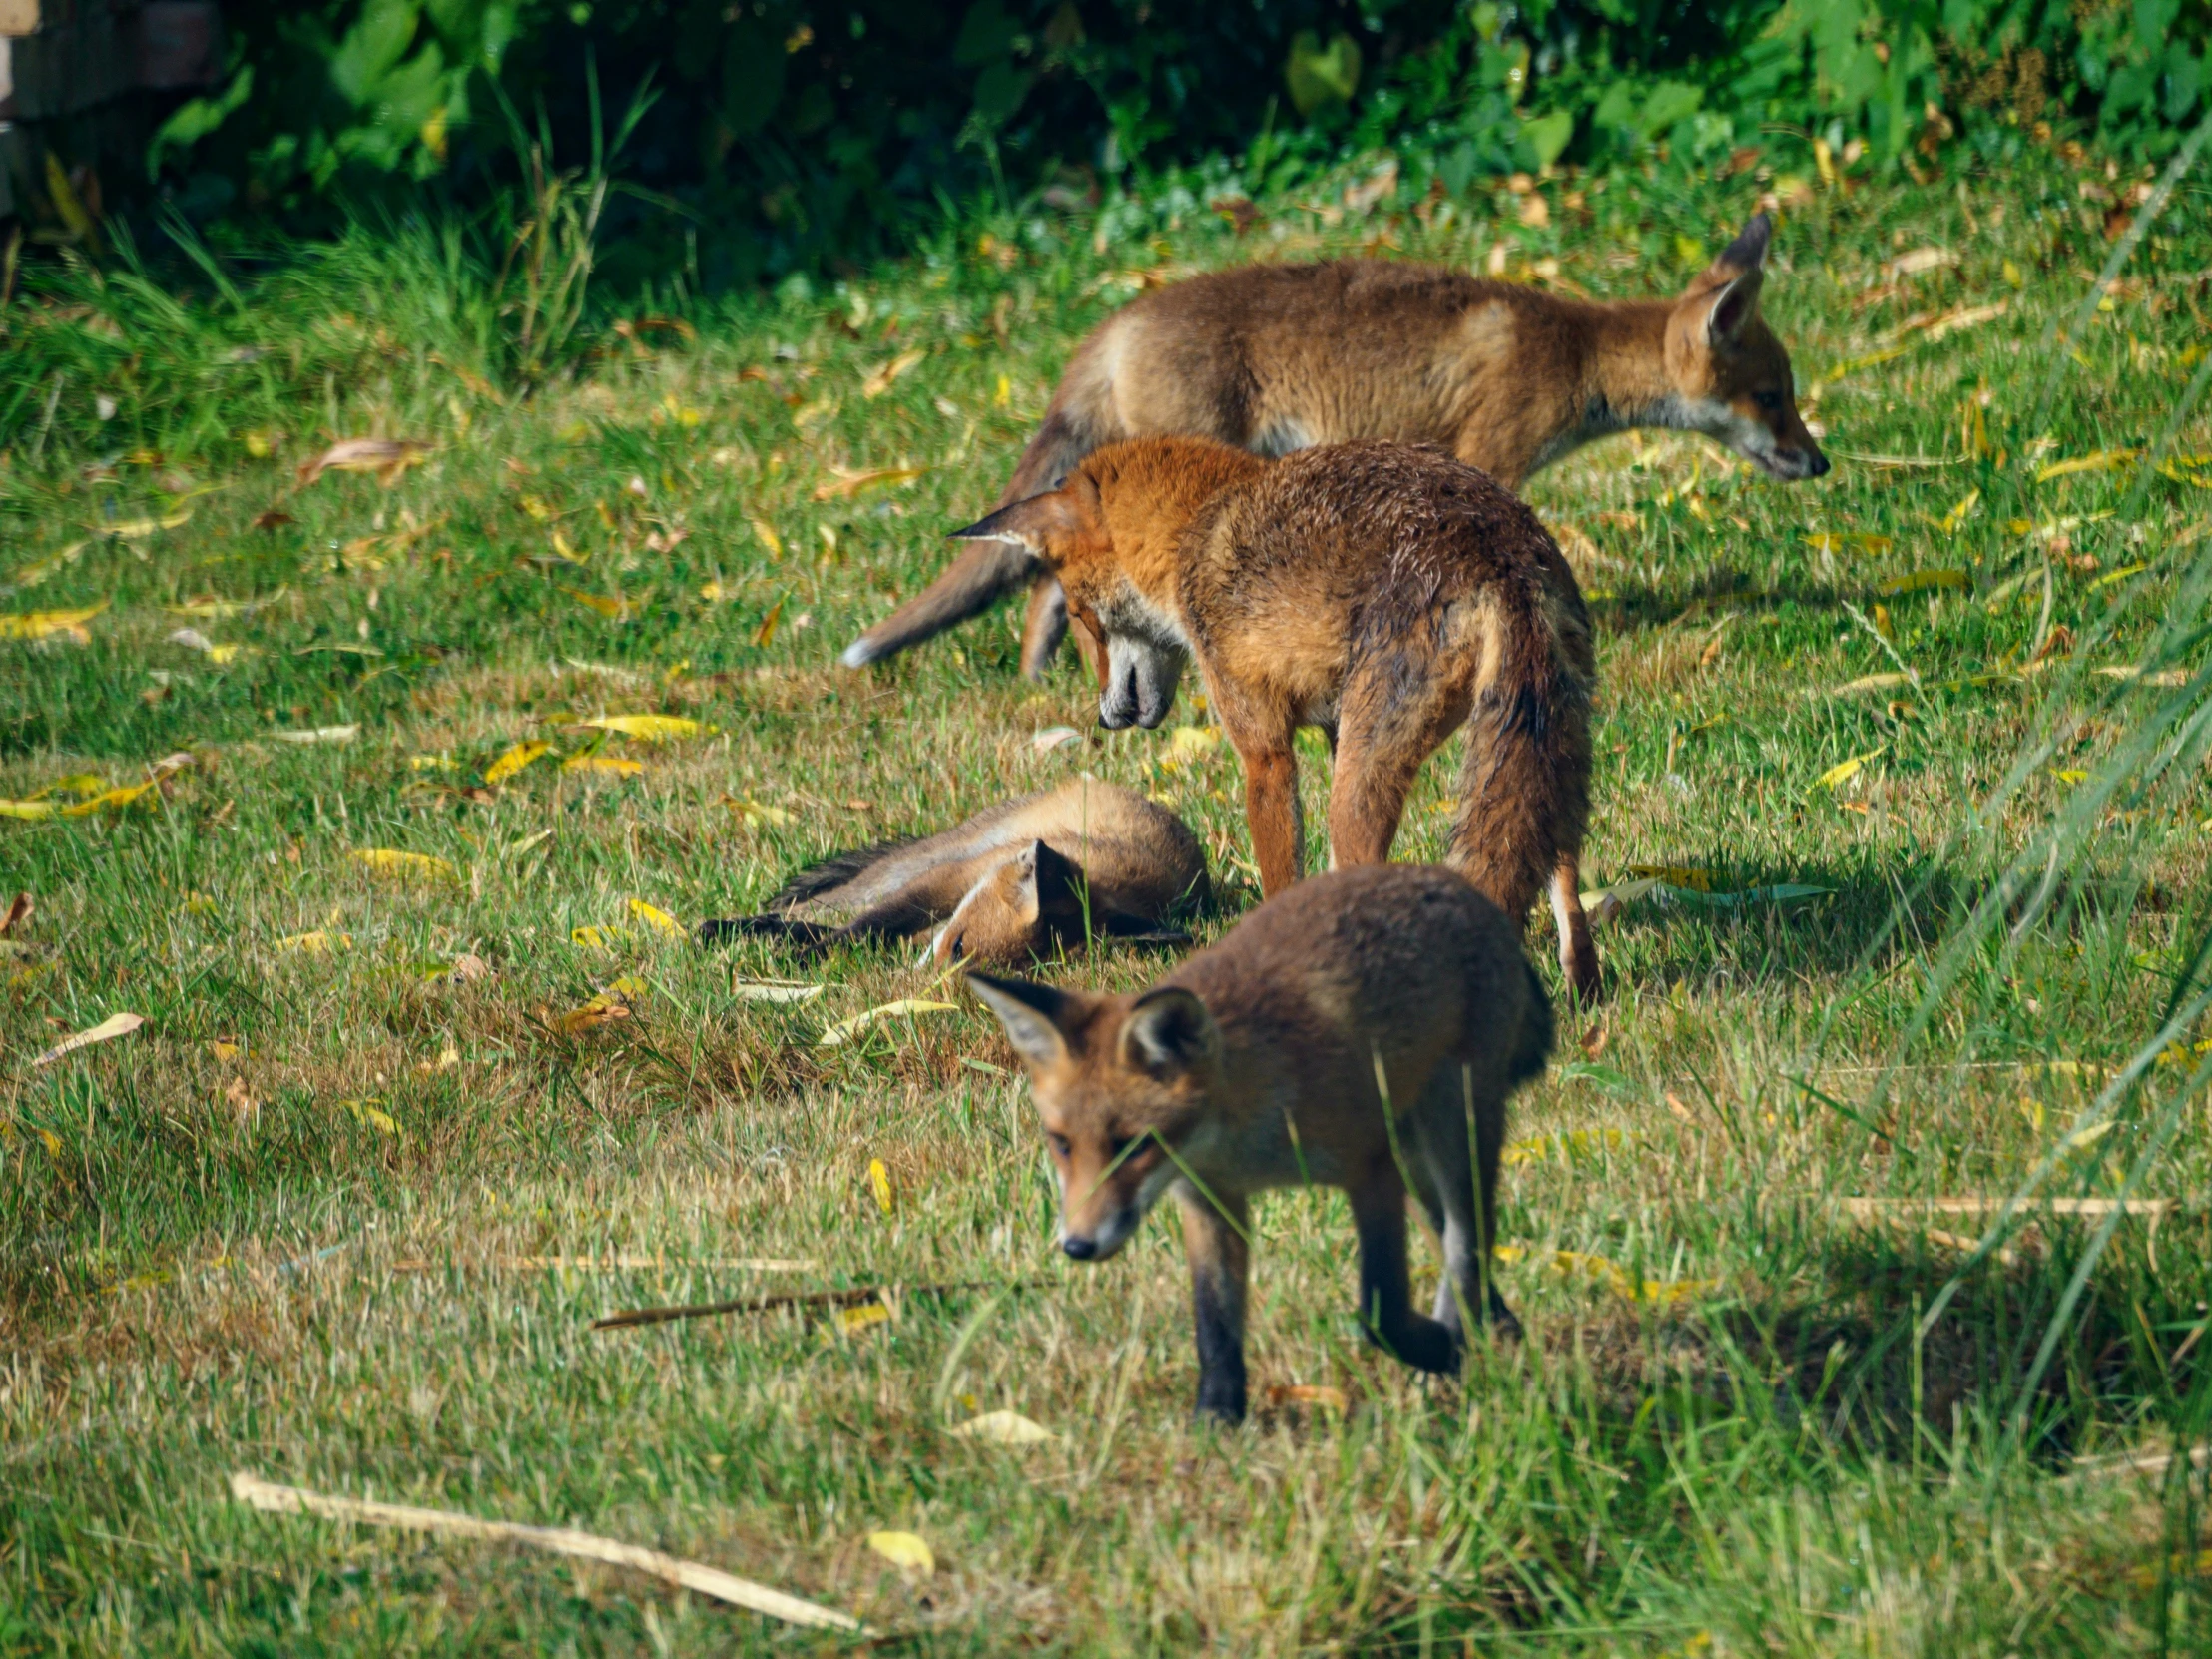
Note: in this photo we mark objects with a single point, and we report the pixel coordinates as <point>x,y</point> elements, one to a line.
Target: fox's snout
<point>1792,464</point>
<point>1101,1237</point>
<point>1139,684</point>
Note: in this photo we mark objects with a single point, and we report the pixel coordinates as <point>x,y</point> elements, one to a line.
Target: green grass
<point>276,1229</point>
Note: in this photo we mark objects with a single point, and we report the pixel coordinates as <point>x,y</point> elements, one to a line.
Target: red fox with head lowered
<point>1362,1031</point>
<point>1277,357</point>
<point>1385,593</point>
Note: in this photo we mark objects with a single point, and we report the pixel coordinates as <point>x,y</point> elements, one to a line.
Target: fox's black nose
<point>1079,1247</point>
<point>1817,468</point>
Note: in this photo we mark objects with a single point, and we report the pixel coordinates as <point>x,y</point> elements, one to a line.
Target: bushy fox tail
<point>986,571</point>
<point>1524,787</point>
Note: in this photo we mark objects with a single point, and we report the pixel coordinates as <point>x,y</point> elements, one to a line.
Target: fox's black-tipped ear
<point>1031,1014</point>
<point>1054,879</point>
<point>1749,250</point>
<point>1731,308</point>
<point>1033,523</point>
<point>1169,1032</point>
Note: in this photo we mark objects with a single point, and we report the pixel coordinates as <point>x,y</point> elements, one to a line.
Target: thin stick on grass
<point>793,1298</point>
<point>555,1541</point>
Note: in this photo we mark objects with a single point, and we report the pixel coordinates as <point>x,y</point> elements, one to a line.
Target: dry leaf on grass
<point>513,761</point>
<point>2099,461</point>
<point>138,529</point>
<point>1003,1428</point>
<point>853,483</point>
<point>906,1007</point>
<point>884,374</point>
<point>853,1321</point>
<point>413,866</point>
<point>114,1026</point>
<point>1052,737</point>
<point>612,765</point>
<point>658,919</point>
<point>39,624</point>
<point>687,1575</point>
<point>880,1182</point>
<point>773,991</point>
<point>1843,772</point>
<point>320,733</point>
<point>18,912</point>
<point>904,1550</point>
<point>614,609</point>
<point>649,728</point>
<point>321,943</point>
<point>108,800</point>
<point>386,457</point>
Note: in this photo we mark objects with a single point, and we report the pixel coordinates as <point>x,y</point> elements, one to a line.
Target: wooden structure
<point>85,82</point>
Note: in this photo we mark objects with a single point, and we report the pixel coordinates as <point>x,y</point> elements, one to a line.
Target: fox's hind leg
<point>1577,952</point>
<point>1395,714</point>
<point>1464,1181</point>
<point>1385,1291</point>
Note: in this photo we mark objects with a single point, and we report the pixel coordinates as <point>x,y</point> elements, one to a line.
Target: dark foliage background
<point>778,136</point>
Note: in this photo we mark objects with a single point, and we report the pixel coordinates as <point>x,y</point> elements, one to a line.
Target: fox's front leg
<point>1214,1234</point>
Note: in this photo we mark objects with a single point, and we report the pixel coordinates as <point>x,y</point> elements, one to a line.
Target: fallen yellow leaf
<point>613,764</point>
<point>1830,542</point>
<point>2096,461</point>
<point>613,609</point>
<point>28,809</point>
<point>879,1179</point>
<point>373,1117</point>
<point>768,538</point>
<point>854,1319</point>
<point>598,938</point>
<point>766,630</point>
<point>649,728</point>
<point>37,625</point>
<point>386,861</point>
<point>317,943</point>
<point>904,1550</point>
<point>755,813</point>
<point>658,919</point>
<point>513,761</point>
<point>1844,770</point>
<point>884,374</point>
<point>1676,876</point>
<point>122,797</point>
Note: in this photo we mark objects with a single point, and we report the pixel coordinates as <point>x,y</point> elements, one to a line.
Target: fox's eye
<point>1770,401</point>
<point>1118,1145</point>
<point>1059,1145</point>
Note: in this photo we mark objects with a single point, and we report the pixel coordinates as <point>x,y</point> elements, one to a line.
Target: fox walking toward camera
<point>1385,593</point>
<point>1255,1066</point>
<point>1014,882</point>
<point>1277,357</point>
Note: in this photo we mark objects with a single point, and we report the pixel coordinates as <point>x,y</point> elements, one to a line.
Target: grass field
<point>396,1129</point>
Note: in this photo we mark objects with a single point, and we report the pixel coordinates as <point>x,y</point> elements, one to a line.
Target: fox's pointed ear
<point>1054,879</point>
<point>1035,523</point>
<point>1730,307</point>
<point>1749,250</point>
<point>1169,1033</point>
<point>1031,1014</point>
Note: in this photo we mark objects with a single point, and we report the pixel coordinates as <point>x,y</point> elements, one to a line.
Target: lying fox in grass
<point>1021,880</point>
<point>1385,593</point>
<point>1262,1062</point>
<point>1278,357</point>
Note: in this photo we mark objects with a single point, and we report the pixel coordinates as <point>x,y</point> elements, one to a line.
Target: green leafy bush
<point>792,135</point>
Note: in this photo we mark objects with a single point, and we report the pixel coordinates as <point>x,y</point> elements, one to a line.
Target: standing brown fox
<point>1278,357</point>
<point>1262,1062</point>
<point>1014,882</point>
<point>1385,593</point>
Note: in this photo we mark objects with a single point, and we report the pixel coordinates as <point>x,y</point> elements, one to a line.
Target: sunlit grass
<point>277,1228</point>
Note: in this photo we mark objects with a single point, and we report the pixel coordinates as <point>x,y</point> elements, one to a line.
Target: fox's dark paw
<point>1221,1400</point>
